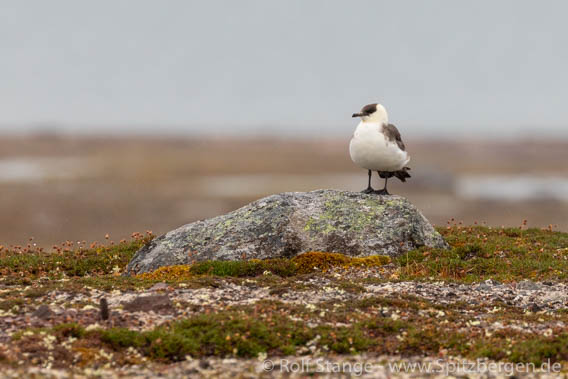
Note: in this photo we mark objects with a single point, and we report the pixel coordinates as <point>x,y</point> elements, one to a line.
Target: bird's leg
<point>384,190</point>
<point>369,188</point>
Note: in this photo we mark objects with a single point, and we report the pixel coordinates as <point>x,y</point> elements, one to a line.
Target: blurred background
<point>126,116</point>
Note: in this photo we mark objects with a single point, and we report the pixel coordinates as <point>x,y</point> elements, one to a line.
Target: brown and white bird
<point>377,146</point>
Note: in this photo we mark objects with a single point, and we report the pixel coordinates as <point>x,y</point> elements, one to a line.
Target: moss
<point>69,330</point>
<point>249,268</point>
<point>277,328</point>
<point>480,253</point>
<point>180,272</point>
<point>226,333</point>
<point>395,324</point>
<point>16,336</point>
<point>540,349</point>
<point>534,349</point>
<point>67,262</point>
<point>301,264</point>
<point>119,338</point>
<point>231,333</point>
<point>316,260</point>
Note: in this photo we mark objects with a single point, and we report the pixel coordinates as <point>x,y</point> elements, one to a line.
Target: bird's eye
<point>368,109</point>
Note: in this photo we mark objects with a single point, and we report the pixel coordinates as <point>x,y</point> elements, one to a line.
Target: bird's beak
<point>357,114</point>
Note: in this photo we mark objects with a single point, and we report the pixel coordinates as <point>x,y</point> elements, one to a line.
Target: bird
<point>377,146</point>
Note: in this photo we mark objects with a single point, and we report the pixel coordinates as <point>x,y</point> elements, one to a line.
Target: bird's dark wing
<point>393,135</point>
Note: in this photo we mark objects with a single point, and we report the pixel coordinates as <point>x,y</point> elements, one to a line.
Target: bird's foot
<point>368,190</point>
<point>381,192</point>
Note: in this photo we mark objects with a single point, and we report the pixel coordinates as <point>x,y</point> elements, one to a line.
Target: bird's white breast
<point>370,149</point>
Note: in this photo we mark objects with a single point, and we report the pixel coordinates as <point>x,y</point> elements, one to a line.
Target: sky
<point>288,67</point>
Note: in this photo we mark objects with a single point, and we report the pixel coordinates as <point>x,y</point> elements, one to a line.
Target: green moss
<point>119,338</point>
<point>20,334</point>
<point>231,333</point>
<point>301,264</point>
<point>69,330</point>
<point>534,349</point>
<point>281,267</point>
<point>322,261</point>
<point>277,328</point>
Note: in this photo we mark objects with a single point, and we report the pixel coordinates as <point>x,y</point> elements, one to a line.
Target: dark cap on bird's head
<point>367,110</point>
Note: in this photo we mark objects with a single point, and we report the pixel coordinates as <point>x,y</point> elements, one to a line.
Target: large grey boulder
<point>288,224</point>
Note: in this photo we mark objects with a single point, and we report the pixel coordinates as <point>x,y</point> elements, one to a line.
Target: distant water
<point>37,169</point>
<point>512,187</point>
<point>477,187</point>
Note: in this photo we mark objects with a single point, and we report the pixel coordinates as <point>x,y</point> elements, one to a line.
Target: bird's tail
<point>402,174</point>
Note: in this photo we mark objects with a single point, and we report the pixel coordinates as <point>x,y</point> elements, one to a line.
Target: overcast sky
<point>289,66</point>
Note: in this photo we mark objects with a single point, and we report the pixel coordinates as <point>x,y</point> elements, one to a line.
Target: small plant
<point>478,253</point>
<point>69,259</point>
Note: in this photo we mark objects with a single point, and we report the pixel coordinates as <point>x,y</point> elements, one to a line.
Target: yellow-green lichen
<point>337,211</point>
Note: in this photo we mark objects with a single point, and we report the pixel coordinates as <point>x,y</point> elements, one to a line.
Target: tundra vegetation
<point>317,303</point>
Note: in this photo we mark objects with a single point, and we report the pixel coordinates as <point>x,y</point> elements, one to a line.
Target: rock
<point>204,364</point>
<point>534,307</point>
<point>156,303</point>
<point>554,297</point>
<point>527,285</point>
<point>289,224</point>
<point>43,312</point>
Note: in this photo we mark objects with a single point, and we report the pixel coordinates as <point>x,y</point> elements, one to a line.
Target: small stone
<point>43,312</point>
<point>156,303</point>
<point>204,364</point>
<point>534,307</point>
<point>105,314</point>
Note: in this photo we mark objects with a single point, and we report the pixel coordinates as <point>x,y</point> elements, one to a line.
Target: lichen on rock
<point>288,224</point>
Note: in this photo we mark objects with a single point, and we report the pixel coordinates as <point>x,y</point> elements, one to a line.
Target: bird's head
<point>372,113</point>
